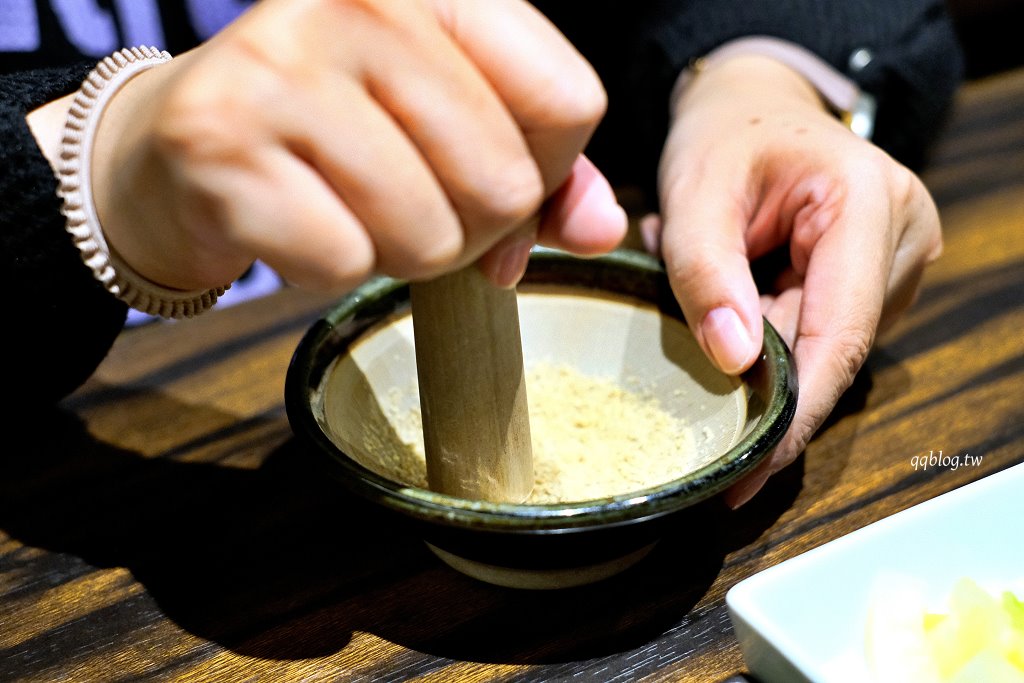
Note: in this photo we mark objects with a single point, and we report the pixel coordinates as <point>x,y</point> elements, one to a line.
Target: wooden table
<point>164,524</point>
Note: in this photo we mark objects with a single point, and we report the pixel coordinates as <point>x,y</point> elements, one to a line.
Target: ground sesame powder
<point>591,438</point>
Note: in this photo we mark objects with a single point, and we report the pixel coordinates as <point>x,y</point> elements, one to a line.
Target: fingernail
<point>512,263</point>
<point>727,340</point>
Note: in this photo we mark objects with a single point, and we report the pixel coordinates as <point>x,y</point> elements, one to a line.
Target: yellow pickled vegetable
<point>979,639</point>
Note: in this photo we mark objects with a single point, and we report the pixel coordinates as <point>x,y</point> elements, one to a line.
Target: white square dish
<point>804,620</point>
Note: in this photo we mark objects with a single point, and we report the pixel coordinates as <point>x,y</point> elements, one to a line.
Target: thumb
<point>706,258</point>
<point>582,217</point>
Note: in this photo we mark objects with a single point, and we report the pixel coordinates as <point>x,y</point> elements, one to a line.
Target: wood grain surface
<point>162,524</point>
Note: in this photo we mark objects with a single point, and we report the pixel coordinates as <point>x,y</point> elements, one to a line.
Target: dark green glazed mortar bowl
<point>538,546</point>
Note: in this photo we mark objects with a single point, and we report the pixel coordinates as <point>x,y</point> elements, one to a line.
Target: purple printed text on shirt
<point>93,30</point>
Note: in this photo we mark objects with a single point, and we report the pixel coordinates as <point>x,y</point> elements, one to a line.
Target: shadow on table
<point>275,562</point>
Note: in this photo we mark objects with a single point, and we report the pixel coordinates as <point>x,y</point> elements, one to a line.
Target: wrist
<point>745,78</point>
<point>115,142</point>
<point>139,195</point>
<point>838,94</point>
<point>47,125</point>
<point>125,194</point>
<point>78,191</point>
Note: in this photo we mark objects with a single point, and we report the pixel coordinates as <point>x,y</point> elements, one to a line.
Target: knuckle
<point>853,350</point>
<point>355,262</point>
<point>685,181</point>
<point>583,103</point>
<point>206,120</point>
<point>693,270</point>
<point>572,102</point>
<point>439,255</point>
<point>915,208</point>
<point>512,194</point>
<point>869,164</point>
<point>805,423</point>
<point>907,188</point>
<point>425,260</point>
<point>935,246</point>
<point>848,350</point>
<point>372,8</point>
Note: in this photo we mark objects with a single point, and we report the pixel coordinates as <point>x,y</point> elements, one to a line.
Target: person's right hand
<point>337,139</point>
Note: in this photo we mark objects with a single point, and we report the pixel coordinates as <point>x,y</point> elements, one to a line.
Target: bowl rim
<point>305,374</point>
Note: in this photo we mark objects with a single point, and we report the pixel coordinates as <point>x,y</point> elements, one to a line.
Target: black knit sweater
<point>639,48</point>
<point>59,323</point>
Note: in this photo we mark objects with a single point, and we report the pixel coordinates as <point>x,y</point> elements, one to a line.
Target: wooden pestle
<point>469,359</point>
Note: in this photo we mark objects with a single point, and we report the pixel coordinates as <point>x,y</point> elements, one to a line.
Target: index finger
<point>550,90</point>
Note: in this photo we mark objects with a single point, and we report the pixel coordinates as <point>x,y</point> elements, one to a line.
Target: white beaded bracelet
<point>75,190</point>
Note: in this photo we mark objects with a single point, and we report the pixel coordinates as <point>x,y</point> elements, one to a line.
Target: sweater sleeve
<point>915,66</point>
<point>59,322</point>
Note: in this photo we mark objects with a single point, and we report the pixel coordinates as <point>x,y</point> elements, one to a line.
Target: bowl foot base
<point>540,579</point>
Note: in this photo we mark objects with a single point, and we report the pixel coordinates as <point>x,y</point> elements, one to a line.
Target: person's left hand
<point>754,162</point>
